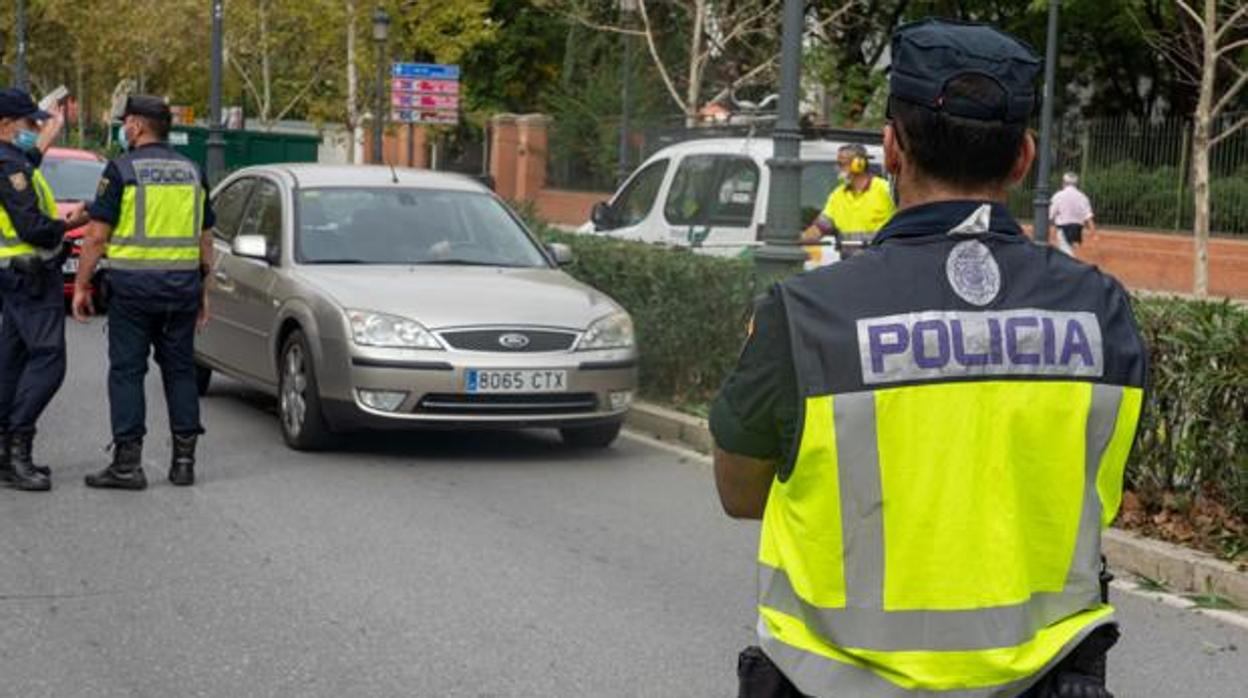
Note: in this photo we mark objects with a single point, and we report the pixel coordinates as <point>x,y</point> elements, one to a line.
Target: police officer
<point>934,431</point>
<point>153,217</point>
<point>32,332</point>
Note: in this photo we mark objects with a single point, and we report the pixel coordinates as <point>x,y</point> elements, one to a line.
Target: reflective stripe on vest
<point>161,209</point>
<point>11,245</point>
<point>939,535</point>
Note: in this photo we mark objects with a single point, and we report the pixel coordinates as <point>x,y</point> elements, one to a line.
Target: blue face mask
<point>121,138</point>
<point>26,140</point>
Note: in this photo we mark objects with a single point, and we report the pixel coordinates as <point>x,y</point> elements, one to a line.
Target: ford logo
<point>513,341</point>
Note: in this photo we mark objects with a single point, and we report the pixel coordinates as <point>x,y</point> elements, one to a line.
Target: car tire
<point>299,401</point>
<point>595,436</point>
<point>203,379</point>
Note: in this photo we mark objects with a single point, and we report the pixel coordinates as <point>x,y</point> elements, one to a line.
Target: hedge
<point>691,313</point>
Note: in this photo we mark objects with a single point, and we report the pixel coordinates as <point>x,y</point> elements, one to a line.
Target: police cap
<point>147,106</point>
<point>15,103</point>
<point>928,54</point>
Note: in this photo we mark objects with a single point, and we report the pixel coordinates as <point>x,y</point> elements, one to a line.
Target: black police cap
<point>929,54</point>
<point>15,103</point>
<point>148,106</point>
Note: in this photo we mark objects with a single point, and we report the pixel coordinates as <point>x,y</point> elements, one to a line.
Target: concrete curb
<point>1180,569</point>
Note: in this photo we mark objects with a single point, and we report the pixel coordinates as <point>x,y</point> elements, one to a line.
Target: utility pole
<point>627,8</point>
<point>781,252</point>
<point>1040,229</point>
<point>19,63</point>
<point>214,156</point>
<point>381,32</point>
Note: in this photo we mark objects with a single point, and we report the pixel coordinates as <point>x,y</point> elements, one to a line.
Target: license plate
<point>515,381</point>
<point>71,265</point>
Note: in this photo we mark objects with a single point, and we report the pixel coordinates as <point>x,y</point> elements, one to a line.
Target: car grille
<point>510,341</point>
<point>500,405</point>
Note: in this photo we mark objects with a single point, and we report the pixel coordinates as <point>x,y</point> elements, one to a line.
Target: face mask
<point>121,138</point>
<point>842,176</point>
<point>26,139</point>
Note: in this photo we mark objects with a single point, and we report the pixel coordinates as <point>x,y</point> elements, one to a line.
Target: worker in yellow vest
<point>153,217</point>
<point>32,332</point>
<point>934,431</point>
<point>857,207</point>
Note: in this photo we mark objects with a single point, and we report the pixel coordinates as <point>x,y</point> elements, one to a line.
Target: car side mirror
<point>602,216</point>
<point>561,253</point>
<point>251,247</point>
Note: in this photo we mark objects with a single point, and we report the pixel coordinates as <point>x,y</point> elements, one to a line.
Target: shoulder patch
<point>101,187</point>
<point>18,180</point>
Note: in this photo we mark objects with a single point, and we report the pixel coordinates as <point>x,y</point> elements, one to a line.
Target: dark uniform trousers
<point>32,347</point>
<point>135,328</point>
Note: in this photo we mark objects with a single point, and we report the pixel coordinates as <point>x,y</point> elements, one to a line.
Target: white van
<point>711,194</point>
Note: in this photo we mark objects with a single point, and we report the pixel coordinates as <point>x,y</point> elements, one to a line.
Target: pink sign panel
<point>434,87</point>
<point>426,101</point>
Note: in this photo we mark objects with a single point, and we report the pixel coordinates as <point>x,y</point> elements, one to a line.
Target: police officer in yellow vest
<point>934,431</point>
<point>32,333</point>
<point>153,216</point>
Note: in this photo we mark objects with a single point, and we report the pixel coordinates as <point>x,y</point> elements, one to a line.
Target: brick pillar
<point>531,156</point>
<point>420,147</point>
<point>503,145</point>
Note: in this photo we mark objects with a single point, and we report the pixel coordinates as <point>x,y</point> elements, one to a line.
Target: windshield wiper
<point>338,261</point>
<point>463,263</point>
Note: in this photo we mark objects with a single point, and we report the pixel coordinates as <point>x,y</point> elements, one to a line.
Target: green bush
<point>691,313</point>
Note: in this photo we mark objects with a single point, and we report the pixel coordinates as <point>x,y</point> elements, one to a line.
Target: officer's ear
<point>892,150</point>
<point>1026,156</point>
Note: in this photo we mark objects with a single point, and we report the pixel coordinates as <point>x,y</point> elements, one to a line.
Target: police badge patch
<point>101,187</point>
<point>18,180</point>
<point>973,273</point>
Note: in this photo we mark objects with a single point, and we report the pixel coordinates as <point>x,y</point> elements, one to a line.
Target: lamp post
<point>214,156</point>
<point>381,32</point>
<point>19,61</point>
<point>1040,224</point>
<point>781,252</point>
<point>627,8</point>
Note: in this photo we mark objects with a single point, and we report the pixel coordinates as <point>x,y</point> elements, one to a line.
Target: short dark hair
<point>160,127</point>
<point>957,150</point>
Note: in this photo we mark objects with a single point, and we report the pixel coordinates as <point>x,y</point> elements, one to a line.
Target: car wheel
<point>299,402</point>
<point>596,436</point>
<point>203,378</point>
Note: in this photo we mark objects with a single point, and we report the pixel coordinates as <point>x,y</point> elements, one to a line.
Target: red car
<point>74,176</point>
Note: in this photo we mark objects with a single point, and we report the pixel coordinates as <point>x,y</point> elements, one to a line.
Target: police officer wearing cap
<point>32,332</point>
<point>934,431</point>
<point>153,218</point>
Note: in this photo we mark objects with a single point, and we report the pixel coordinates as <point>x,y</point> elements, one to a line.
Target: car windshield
<point>72,180</point>
<point>392,225</point>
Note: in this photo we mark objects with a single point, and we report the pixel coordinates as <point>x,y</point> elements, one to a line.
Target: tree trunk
<point>1200,152</point>
<point>353,89</point>
<point>693,97</point>
<point>266,70</point>
<point>80,94</point>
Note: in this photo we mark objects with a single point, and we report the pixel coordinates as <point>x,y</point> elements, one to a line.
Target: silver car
<point>371,297</point>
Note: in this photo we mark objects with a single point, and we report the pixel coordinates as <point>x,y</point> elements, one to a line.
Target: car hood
<point>457,296</point>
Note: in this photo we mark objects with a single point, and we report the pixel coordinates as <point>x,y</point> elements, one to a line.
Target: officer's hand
<point>77,216</point>
<point>201,321</point>
<point>82,305</point>
<point>53,126</point>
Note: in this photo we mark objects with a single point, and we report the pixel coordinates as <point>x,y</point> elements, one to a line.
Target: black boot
<point>182,467</point>
<point>6,463</point>
<point>126,470</point>
<point>23,475</point>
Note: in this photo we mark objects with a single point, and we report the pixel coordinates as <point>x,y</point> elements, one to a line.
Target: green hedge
<point>691,313</point>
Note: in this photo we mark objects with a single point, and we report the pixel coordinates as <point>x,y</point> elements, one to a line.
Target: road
<point>420,565</point>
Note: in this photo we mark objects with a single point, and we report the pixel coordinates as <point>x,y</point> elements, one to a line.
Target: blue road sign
<point>435,71</point>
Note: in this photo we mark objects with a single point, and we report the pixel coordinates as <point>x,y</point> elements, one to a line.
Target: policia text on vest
<point>961,404</point>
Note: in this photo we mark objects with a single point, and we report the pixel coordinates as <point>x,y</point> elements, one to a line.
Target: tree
<point>1212,55</point>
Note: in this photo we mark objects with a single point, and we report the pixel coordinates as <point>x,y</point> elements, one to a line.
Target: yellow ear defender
<point>858,165</point>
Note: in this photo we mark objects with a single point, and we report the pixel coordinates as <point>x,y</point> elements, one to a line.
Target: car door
<point>221,333</point>
<point>633,210</point>
<point>711,203</point>
<point>247,284</point>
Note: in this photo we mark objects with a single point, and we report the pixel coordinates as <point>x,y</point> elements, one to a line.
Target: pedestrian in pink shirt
<point>1070,212</point>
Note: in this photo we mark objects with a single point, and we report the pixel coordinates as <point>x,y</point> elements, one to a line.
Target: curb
<point>1180,569</point>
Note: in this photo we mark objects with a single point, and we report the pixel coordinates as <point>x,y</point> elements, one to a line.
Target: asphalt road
<point>421,565</point>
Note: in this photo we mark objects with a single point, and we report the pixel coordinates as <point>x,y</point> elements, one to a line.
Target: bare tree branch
<point>1230,94</point>
<point>745,78</point>
<point>1231,46</point>
<point>1187,8</point>
<point>586,22</point>
<point>1238,14</point>
<point>1226,132</point>
<point>242,72</point>
<point>316,75</point>
<point>658,62</point>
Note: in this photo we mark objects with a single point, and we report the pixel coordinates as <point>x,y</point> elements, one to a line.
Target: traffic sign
<point>405,99</point>
<point>435,71</point>
<point>424,116</point>
<point>435,87</point>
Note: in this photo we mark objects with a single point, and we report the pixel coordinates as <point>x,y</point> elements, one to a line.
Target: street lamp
<point>1040,224</point>
<point>627,8</point>
<point>781,252</point>
<point>214,156</point>
<point>381,32</point>
<point>19,62</point>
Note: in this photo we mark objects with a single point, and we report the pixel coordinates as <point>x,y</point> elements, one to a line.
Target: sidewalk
<point>1179,569</point>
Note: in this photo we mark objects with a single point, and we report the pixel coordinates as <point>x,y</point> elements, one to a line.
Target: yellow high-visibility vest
<point>11,245</point>
<point>161,212</point>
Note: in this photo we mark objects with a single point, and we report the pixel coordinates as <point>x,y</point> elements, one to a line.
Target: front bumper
<point>600,385</point>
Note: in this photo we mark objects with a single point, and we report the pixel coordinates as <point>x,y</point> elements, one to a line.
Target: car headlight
<point>381,330</point>
<point>614,331</point>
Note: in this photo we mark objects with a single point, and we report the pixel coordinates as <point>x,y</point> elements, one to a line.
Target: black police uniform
<point>32,332</point>
<point>940,259</point>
